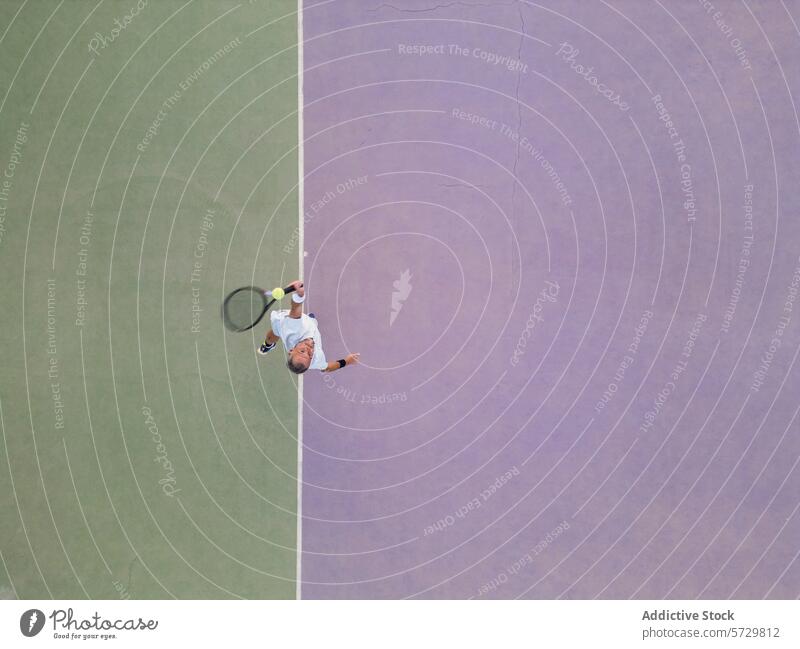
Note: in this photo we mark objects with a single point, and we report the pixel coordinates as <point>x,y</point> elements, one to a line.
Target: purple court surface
<point>564,237</point>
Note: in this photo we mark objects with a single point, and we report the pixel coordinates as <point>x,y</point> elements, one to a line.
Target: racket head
<point>244,308</point>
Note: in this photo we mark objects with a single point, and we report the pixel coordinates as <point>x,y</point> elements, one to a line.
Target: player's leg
<point>269,343</point>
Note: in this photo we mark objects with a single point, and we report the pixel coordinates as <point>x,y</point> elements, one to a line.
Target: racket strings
<point>244,308</point>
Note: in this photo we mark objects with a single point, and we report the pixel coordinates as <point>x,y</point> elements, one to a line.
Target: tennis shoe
<point>266,348</point>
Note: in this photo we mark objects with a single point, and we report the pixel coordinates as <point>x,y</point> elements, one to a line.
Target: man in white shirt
<point>301,338</point>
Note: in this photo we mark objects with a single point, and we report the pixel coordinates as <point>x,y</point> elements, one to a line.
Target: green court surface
<point>148,163</point>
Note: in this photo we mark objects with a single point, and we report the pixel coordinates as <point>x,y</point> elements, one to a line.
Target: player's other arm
<point>350,359</point>
<point>296,311</point>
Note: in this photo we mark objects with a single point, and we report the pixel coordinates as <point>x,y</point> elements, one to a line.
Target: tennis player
<point>300,335</point>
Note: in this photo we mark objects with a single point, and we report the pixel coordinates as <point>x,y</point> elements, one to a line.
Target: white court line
<point>300,249</point>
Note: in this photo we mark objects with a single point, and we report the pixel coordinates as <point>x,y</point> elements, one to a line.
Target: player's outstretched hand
<point>298,287</point>
<point>352,359</point>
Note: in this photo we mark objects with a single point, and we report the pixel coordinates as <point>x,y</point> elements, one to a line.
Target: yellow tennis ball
<point>278,293</point>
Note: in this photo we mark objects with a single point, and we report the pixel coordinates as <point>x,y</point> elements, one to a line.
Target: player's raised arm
<point>350,359</point>
<point>297,299</point>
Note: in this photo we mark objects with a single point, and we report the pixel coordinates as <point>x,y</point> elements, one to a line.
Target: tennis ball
<point>278,293</point>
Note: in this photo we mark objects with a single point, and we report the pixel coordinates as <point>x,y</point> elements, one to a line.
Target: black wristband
<point>342,363</point>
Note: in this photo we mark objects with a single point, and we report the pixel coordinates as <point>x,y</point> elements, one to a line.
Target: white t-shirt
<point>292,330</point>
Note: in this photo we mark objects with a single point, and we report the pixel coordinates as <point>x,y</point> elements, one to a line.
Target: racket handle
<point>286,291</point>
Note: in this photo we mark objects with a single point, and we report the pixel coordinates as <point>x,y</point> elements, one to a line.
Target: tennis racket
<point>244,307</point>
